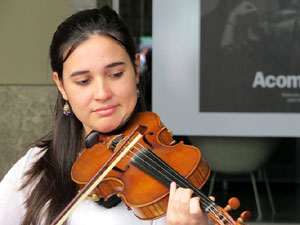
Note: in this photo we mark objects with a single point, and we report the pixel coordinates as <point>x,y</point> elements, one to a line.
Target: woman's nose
<point>102,90</point>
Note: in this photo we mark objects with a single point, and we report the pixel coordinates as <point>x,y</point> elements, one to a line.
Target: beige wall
<point>27,92</point>
<point>25,115</point>
<point>26,29</point>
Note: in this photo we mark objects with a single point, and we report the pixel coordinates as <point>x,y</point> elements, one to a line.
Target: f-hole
<point>120,170</point>
<point>146,140</point>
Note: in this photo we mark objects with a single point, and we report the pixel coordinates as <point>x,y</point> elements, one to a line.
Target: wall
<point>26,30</point>
<point>27,92</point>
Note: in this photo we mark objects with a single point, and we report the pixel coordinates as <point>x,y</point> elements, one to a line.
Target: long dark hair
<point>62,146</point>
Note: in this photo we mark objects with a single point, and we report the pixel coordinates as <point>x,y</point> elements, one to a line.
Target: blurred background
<point>252,157</point>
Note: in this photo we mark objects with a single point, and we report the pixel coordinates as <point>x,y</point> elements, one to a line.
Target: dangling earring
<point>66,109</point>
<point>138,93</point>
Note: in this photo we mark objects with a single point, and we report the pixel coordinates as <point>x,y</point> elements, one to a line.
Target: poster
<point>250,56</point>
<point>203,89</point>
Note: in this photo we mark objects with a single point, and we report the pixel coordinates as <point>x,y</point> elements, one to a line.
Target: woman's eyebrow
<point>114,64</point>
<point>79,72</point>
<point>111,65</point>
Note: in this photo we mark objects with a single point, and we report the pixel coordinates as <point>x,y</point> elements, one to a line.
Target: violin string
<point>163,174</point>
<point>208,203</point>
<point>210,206</point>
<point>187,184</point>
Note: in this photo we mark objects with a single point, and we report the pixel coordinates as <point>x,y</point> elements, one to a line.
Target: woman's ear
<point>137,63</point>
<point>60,85</point>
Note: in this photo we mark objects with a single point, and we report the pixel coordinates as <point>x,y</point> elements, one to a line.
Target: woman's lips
<point>105,111</point>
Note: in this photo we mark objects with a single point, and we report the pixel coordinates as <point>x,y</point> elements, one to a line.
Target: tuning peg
<point>233,204</point>
<point>245,216</point>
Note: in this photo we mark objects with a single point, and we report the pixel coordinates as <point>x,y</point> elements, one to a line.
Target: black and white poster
<point>227,67</point>
<point>250,56</point>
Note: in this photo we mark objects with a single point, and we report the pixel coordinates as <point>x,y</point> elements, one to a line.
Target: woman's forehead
<point>96,53</point>
<point>98,41</point>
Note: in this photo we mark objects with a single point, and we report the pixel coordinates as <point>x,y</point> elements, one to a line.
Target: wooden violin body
<point>146,195</point>
<point>138,164</point>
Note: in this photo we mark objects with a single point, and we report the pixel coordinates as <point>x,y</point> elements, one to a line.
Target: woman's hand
<point>183,209</point>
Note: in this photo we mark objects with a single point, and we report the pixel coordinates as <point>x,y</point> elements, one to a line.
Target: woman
<point>96,70</point>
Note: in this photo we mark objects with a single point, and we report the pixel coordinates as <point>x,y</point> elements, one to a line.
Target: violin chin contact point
<point>92,139</point>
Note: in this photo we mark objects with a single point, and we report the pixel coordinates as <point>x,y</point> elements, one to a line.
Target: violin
<point>138,164</point>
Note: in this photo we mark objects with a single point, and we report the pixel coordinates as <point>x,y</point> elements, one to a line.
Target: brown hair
<point>62,146</point>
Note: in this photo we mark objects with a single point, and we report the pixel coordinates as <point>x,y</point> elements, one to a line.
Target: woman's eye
<point>116,75</point>
<point>82,82</point>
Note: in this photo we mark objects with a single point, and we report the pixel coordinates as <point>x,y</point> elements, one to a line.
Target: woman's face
<point>99,81</point>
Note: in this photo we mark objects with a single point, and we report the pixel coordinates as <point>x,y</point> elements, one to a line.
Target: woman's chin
<point>108,127</point>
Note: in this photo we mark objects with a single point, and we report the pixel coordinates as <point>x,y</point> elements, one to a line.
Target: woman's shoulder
<point>24,163</point>
<point>32,155</point>
<point>12,198</point>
